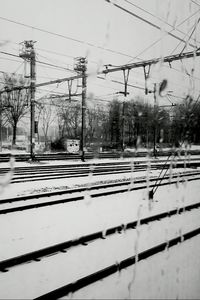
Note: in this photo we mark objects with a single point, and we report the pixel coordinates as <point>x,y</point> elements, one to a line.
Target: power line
<point>195,27</point>
<point>119,82</point>
<point>55,52</point>
<point>101,78</point>
<point>146,21</point>
<point>168,59</point>
<point>137,87</point>
<point>58,67</point>
<point>21,74</point>
<point>65,37</point>
<point>9,20</point>
<point>192,28</point>
<point>158,40</point>
<point>55,79</point>
<point>38,61</point>
<point>151,14</point>
<point>55,60</point>
<point>62,54</point>
<point>195,3</point>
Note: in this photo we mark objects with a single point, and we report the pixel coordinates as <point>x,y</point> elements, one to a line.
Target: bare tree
<point>15,102</point>
<point>96,125</point>
<point>47,116</point>
<point>70,117</point>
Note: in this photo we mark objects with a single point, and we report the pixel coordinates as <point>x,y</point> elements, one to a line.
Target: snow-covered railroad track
<point>26,174</point>
<point>69,267</point>
<point>65,248</point>
<point>4,157</point>
<point>60,172</point>
<point>85,281</point>
<point>83,240</point>
<point>75,173</point>
<point>28,202</point>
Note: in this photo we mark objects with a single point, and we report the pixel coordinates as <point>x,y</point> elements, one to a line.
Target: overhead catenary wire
<point>115,81</point>
<point>146,21</point>
<point>38,61</point>
<point>55,60</point>
<point>192,28</point>
<point>159,39</point>
<point>195,2</point>
<point>56,53</point>
<point>151,14</point>
<point>65,37</point>
<point>123,67</point>
<point>144,49</point>
<point>94,45</point>
<point>84,42</point>
<point>196,23</point>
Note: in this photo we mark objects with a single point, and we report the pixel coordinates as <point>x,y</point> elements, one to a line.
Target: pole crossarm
<point>144,63</point>
<point>56,96</point>
<point>17,88</point>
<point>59,80</point>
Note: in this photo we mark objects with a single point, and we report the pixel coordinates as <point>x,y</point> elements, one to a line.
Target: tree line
<point>139,122</point>
<point>134,122</point>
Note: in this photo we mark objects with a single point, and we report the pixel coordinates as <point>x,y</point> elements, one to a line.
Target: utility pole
<point>81,67</point>
<point>28,54</point>
<point>154,91</point>
<point>125,93</point>
<point>0,123</point>
<point>154,119</point>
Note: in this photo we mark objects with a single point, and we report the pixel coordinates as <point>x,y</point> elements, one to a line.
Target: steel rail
<point>39,177</point>
<point>91,188</point>
<point>81,197</point>
<point>69,166</point>
<point>64,246</point>
<point>118,266</point>
<point>69,156</point>
<point>136,164</point>
<point>38,174</point>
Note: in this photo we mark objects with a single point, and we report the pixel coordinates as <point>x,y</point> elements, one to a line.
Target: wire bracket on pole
<point>147,69</point>
<point>125,93</point>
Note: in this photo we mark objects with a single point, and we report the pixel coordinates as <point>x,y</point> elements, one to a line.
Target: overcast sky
<point>84,27</point>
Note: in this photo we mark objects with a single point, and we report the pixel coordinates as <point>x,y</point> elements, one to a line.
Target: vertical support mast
<point>28,54</point>
<point>83,113</point>
<point>146,76</point>
<point>32,73</point>
<point>126,76</point>
<point>154,125</point>
<point>0,123</point>
<point>80,66</point>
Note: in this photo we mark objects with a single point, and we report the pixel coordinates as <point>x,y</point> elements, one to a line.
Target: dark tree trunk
<point>14,133</point>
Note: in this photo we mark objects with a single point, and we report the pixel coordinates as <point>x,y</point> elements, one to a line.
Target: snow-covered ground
<point>170,274</point>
